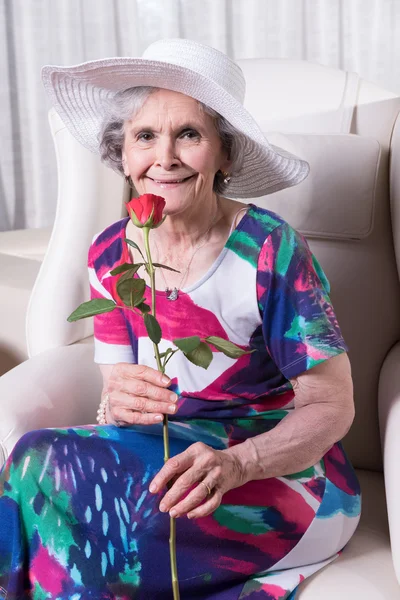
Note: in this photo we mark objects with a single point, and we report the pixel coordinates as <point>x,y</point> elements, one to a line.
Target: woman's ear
<point>226,165</point>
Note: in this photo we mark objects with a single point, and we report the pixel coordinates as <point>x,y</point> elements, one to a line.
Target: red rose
<point>146,211</point>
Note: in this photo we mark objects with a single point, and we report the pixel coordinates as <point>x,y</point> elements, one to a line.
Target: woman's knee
<point>37,441</point>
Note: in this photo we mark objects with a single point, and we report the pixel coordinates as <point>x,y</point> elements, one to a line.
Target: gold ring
<point>208,488</point>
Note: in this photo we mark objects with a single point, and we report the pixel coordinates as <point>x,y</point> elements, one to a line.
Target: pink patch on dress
<point>276,402</point>
<point>301,350</point>
<point>237,566</point>
<point>266,261</point>
<point>314,353</point>
<point>109,327</point>
<point>48,573</point>
<point>314,489</point>
<point>179,319</point>
<point>302,283</point>
<point>332,472</point>
<point>275,592</point>
<point>267,256</point>
<point>270,493</point>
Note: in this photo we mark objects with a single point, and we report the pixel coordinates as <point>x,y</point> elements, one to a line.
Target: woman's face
<point>172,149</point>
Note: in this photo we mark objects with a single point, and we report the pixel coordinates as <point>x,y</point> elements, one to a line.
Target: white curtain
<point>356,35</point>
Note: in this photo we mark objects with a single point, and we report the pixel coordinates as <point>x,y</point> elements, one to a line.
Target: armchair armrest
<point>389,422</point>
<point>26,243</point>
<point>56,388</point>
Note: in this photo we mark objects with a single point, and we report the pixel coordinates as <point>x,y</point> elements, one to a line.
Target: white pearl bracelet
<point>102,411</point>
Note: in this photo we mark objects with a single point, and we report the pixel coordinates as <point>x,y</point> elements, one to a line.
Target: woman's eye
<point>145,136</point>
<point>190,134</point>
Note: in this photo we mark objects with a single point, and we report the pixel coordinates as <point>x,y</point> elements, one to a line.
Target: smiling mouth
<point>166,181</point>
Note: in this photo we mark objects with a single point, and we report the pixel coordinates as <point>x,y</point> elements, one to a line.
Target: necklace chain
<point>174,293</point>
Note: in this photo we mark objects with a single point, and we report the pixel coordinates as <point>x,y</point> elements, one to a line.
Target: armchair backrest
<point>90,197</point>
<point>343,126</point>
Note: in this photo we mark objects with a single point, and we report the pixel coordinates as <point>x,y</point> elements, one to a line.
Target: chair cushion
<point>364,569</point>
<point>26,243</point>
<point>18,276</point>
<point>326,205</point>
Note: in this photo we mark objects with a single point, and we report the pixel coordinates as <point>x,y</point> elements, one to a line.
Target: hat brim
<point>78,93</point>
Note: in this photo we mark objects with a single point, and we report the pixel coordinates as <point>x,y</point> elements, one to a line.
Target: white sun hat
<point>79,94</point>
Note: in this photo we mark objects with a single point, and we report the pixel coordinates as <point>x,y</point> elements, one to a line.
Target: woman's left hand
<point>217,470</point>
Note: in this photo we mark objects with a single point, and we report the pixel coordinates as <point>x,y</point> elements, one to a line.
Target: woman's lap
<point>88,518</point>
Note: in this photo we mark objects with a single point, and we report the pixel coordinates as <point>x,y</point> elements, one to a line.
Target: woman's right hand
<point>138,395</point>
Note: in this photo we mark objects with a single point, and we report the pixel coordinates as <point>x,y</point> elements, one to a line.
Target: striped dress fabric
<point>76,518</point>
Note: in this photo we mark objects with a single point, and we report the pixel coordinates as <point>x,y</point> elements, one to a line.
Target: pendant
<point>172,294</point>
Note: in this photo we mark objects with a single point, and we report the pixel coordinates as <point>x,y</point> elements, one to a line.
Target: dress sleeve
<point>112,343</point>
<point>299,325</point>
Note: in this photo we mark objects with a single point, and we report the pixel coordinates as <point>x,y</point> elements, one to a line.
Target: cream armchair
<point>349,208</point>
<point>21,254</point>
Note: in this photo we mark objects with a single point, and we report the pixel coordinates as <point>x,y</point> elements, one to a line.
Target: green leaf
<point>130,243</point>
<point>126,267</point>
<point>127,275</point>
<point>201,356</point>
<point>143,307</point>
<point>131,291</point>
<point>153,328</point>
<point>187,344</point>
<point>91,308</point>
<point>228,348</point>
<point>165,267</point>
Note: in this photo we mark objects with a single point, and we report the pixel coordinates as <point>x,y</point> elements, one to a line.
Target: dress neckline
<point>126,257</point>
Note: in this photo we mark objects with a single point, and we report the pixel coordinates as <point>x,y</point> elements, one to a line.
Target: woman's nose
<point>166,155</point>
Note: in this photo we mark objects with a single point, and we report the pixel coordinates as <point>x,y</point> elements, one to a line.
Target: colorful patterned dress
<point>77,520</point>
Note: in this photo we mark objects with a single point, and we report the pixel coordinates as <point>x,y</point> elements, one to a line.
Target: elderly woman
<point>261,488</point>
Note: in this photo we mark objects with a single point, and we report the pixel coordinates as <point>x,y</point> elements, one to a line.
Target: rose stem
<point>172,535</point>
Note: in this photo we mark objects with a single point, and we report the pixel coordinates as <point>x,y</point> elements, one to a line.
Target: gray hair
<point>125,104</point>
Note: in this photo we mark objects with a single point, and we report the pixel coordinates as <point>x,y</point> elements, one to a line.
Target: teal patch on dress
<point>244,519</point>
<point>337,501</point>
<point>244,245</point>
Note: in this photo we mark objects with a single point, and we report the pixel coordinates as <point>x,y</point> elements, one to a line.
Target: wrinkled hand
<point>220,470</point>
<point>138,395</point>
